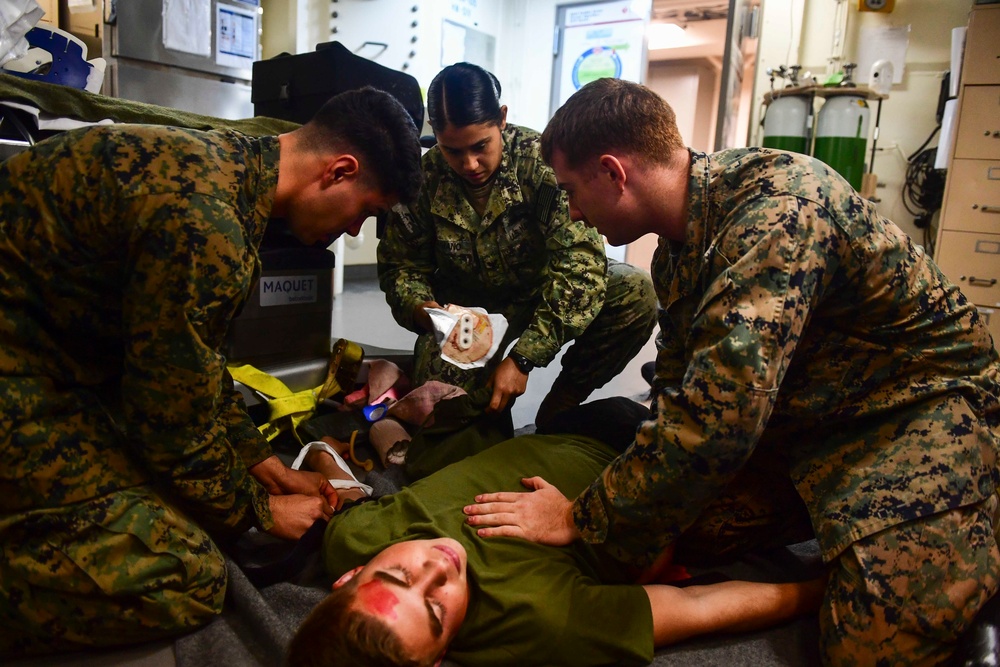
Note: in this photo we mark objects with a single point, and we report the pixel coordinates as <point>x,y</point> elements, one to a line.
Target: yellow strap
<point>282,406</point>
<point>345,364</point>
<point>288,409</point>
<point>259,380</point>
<point>285,407</point>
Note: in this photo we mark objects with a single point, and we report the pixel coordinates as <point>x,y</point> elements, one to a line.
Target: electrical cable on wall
<point>923,189</point>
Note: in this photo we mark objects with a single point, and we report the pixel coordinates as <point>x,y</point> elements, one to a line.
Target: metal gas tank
<point>842,136</point>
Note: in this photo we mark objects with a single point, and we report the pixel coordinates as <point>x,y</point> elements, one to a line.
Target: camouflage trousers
<point>905,595</point>
<point>117,569</point>
<point>597,356</point>
<point>902,596</point>
<point>91,553</point>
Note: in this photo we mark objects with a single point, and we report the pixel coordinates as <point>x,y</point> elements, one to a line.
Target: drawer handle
<point>982,282</point>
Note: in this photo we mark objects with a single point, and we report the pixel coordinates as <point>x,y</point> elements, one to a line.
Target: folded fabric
<point>59,100</point>
<point>17,17</point>
<point>352,483</point>
<point>417,407</point>
<point>386,381</point>
<point>388,384</point>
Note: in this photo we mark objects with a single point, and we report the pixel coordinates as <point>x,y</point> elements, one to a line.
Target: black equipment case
<point>295,87</point>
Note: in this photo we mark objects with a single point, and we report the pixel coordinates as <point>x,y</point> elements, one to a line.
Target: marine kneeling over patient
<point>413,581</point>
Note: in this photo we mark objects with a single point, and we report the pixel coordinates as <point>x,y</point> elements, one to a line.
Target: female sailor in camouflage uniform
<point>491,229</point>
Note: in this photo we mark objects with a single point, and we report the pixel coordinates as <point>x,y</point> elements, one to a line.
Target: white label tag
<point>287,290</point>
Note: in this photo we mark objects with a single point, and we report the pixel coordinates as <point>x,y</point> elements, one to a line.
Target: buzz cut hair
<point>373,125</point>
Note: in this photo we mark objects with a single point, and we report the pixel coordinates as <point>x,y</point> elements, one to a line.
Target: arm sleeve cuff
<point>405,318</point>
<point>590,517</point>
<point>261,501</point>
<point>537,349</point>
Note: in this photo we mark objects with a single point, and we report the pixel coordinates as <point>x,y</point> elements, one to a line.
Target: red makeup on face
<point>419,588</point>
<point>378,599</point>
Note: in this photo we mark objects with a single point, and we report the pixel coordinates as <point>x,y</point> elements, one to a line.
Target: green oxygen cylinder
<point>842,136</point>
<point>786,123</point>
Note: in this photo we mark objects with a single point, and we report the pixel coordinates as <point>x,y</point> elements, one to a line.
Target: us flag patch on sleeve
<point>544,201</point>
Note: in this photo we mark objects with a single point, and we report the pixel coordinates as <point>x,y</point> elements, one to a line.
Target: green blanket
<point>58,100</point>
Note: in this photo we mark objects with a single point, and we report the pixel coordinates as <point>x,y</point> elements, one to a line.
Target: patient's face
<point>419,588</point>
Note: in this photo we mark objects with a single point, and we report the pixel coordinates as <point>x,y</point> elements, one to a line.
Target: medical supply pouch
<point>469,337</point>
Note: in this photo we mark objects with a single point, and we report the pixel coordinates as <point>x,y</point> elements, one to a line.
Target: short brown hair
<point>336,635</point>
<point>609,115</point>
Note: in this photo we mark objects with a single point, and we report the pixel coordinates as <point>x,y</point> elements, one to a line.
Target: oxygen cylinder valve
<point>848,81</point>
<point>793,74</point>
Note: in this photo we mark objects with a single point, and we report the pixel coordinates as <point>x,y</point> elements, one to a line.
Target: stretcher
<point>54,102</point>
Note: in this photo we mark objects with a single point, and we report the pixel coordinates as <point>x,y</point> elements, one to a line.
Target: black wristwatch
<point>523,363</point>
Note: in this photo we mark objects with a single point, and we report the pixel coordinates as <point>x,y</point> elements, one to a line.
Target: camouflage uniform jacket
<point>124,254</point>
<point>524,248</point>
<point>797,322</point>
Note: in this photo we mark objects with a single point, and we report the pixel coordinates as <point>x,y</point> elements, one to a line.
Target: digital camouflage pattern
<point>124,254</point>
<point>121,568</point>
<point>903,596</point>
<point>924,582</point>
<point>525,259</point>
<point>799,323</point>
<point>802,329</point>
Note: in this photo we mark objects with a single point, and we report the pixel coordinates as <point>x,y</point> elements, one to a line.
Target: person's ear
<point>503,117</point>
<point>615,171</point>
<point>339,168</point>
<point>347,576</point>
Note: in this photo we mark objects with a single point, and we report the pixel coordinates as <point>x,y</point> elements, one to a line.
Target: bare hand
<point>508,383</point>
<point>294,514</point>
<point>278,479</point>
<point>544,515</point>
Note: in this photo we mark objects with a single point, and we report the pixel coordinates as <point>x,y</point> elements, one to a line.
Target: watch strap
<point>524,364</point>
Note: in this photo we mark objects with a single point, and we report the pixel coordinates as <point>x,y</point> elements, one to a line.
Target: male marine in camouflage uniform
<point>523,258</point>
<point>804,339</point>
<point>124,449</point>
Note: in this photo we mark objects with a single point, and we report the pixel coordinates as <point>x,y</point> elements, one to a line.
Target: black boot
<point>562,396</point>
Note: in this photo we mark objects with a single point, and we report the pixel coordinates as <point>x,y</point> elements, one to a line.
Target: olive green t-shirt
<point>530,604</point>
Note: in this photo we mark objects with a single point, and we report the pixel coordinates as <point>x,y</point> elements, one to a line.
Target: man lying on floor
<point>414,581</point>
